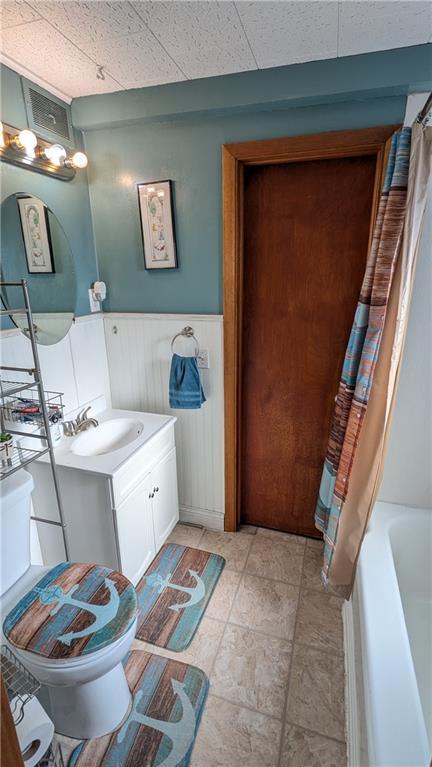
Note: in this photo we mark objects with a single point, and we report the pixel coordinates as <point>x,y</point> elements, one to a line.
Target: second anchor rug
<point>167,703</point>
<point>174,593</point>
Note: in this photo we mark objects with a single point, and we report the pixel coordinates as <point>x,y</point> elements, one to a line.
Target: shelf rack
<point>22,456</point>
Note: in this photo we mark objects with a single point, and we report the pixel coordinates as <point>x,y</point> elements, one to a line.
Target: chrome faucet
<point>81,423</point>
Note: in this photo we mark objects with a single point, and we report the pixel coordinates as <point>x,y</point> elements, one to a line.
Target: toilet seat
<point>73,611</point>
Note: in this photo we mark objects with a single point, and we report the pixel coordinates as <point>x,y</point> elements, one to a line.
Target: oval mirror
<point>34,247</point>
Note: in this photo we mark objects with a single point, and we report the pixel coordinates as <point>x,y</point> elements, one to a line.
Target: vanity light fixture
<point>55,153</point>
<point>26,140</point>
<point>79,160</point>
<point>25,149</point>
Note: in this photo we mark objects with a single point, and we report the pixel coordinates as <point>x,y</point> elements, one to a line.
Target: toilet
<point>70,625</point>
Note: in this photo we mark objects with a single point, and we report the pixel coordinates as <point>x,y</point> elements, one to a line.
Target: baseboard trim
<point>214,520</point>
<point>353,745</point>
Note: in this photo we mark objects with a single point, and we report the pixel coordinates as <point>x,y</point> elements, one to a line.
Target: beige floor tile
<point>319,620</point>
<point>222,598</point>
<point>202,650</point>
<point>315,543</point>
<point>302,748</point>
<point>264,532</point>
<point>234,547</point>
<point>186,535</point>
<point>248,529</point>
<point>274,558</point>
<point>313,561</point>
<point>265,605</point>
<point>252,670</point>
<point>231,736</point>
<point>316,692</point>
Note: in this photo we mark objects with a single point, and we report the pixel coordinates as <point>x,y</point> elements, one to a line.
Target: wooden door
<point>306,230</point>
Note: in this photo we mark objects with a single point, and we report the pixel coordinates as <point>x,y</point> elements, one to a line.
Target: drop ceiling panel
<point>375,26</point>
<point>290,32</point>
<point>204,38</point>
<point>54,59</point>
<point>135,61</point>
<point>90,21</point>
<point>150,42</point>
<point>14,12</point>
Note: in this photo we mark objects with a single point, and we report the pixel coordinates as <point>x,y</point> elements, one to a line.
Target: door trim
<point>320,146</point>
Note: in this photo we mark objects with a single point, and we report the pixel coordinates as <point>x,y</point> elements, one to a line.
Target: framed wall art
<point>157,224</point>
<point>36,235</point>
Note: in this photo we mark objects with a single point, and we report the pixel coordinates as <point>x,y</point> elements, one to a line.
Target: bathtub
<point>391,628</point>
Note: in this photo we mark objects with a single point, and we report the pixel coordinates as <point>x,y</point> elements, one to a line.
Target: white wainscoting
<point>139,356</point>
<point>76,366</point>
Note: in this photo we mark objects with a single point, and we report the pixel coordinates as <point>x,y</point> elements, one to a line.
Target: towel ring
<point>187,332</point>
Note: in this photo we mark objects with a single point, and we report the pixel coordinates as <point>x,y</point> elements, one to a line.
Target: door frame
<point>319,146</point>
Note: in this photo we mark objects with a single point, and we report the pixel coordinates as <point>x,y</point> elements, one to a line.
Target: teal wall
<point>68,200</point>
<point>176,132</point>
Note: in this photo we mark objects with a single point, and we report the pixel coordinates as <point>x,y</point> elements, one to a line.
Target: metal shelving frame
<point>24,456</point>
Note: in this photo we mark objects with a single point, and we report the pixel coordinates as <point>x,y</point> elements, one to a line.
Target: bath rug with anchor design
<point>174,593</point>
<point>168,698</point>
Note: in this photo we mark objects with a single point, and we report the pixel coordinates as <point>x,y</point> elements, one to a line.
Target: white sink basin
<point>107,437</point>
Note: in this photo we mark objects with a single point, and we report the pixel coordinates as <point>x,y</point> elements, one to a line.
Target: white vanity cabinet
<point>120,519</point>
<point>147,516</point>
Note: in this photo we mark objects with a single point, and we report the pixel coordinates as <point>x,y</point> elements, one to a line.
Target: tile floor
<point>271,643</point>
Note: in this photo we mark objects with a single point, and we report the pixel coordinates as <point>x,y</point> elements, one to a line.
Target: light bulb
<point>2,140</point>
<point>79,160</point>
<point>27,140</point>
<point>161,194</point>
<point>56,153</point>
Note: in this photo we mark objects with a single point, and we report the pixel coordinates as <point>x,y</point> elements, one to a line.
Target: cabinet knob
<point>156,489</point>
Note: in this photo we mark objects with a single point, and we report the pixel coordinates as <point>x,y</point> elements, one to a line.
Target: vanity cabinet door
<point>165,499</point>
<point>135,531</point>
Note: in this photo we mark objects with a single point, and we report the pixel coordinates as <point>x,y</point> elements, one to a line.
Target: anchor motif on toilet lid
<point>196,593</point>
<point>74,610</point>
<point>104,614</point>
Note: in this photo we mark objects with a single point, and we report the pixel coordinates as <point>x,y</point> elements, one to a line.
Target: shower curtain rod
<point>422,115</point>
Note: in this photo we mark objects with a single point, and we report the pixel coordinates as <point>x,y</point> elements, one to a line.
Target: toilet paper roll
<point>35,731</point>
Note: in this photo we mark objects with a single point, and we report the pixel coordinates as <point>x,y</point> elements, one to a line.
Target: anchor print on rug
<point>196,593</point>
<point>104,614</point>
<point>181,733</point>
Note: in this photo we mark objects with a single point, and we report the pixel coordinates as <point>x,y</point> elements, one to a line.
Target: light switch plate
<point>203,359</point>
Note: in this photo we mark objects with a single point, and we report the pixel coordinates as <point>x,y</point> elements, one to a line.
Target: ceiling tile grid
<point>16,12</point>
<point>145,42</point>
<point>135,61</point>
<point>57,61</point>
<point>204,38</point>
<point>371,25</point>
<point>290,32</point>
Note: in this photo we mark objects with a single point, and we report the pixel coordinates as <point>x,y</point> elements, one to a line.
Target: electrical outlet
<point>203,359</point>
<point>94,305</point>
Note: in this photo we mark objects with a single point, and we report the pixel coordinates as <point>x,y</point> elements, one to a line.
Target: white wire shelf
<point>20,684</point>
<point>9,388</point>
<point>19,458</point>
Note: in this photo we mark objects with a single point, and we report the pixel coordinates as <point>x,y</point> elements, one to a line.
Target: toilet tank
<point>15,509</point>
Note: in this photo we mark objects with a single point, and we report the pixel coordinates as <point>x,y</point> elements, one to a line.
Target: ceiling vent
<point>49,117</point>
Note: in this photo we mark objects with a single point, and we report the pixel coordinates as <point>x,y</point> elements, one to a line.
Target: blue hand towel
<point>185,389</point>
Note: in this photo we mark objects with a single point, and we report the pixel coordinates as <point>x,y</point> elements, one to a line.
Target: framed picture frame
<point>36,235</point>
<point>155,199</point>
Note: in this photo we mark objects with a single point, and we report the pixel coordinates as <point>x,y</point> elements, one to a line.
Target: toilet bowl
<point>70,625</point>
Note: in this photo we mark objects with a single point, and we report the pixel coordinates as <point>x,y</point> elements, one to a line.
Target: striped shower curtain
<point>341,473</point>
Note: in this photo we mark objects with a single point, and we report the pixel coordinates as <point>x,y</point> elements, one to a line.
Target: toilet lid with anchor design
<point>74,610</point>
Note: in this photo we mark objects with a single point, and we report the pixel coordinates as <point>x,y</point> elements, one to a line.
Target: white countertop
<point>109,463</point>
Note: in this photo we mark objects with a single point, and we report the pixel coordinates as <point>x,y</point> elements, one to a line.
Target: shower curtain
<point>357,443</point>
